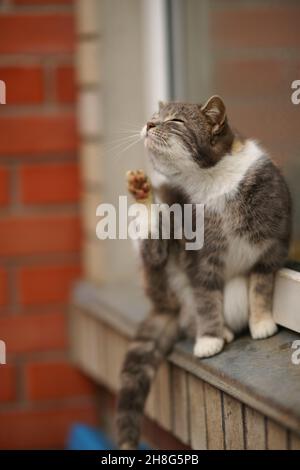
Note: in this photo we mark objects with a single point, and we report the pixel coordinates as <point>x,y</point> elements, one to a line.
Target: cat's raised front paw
<point>263,328</point>
<point>207,346</point>
<point>139,185</point>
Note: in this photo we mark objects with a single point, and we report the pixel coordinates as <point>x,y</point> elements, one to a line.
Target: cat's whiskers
<point>128,127</point>
<point>127,131</point>
<point>121,144</point>
<point>131,144</point>
<point>116,143</point>
<point>122,137</point>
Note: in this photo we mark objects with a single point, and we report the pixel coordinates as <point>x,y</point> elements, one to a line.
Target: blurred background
<point>82,77</point>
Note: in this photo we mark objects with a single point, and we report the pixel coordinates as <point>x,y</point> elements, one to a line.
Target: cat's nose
<point>150,125</point>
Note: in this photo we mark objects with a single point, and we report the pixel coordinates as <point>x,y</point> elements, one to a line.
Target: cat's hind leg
<point>261,321</point>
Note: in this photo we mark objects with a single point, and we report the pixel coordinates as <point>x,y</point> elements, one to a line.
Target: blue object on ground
<point>84,437</point>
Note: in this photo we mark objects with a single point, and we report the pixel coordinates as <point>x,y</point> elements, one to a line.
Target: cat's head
<point>182,136</point>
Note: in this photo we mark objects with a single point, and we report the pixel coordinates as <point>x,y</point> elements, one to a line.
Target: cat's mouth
<point>154,144</point>
<point>154,141</point>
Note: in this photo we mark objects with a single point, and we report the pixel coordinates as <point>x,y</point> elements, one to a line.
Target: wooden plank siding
<point>295,442</point>
<point>255,430</point>
<point>214,418</point>
<point>180,404</point>
<point>164,409</point>
<point>197,413</point>
<point>151,404</point>
<point>277,437</point>
<point>233,423</point>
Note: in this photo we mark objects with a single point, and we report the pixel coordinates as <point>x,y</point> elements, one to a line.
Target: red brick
<point>252,78</point>
<point>52,380</point>
<point>34,34</point>
<point>42,429</point>
<point>24,85</point>
<point>240,27</point>
<point>8,383</point>
<point>47,284</point>
<point>36,235</point>
<point>49,183</point>
<point>34,332</point>
<point>65,84</point>
<point>37,135</point>
<point>3,288</point>
<point>4,186</point>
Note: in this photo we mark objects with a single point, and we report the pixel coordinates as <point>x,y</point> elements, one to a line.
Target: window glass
<point>247,52</point>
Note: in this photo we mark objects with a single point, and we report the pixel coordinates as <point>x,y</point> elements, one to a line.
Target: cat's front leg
<point>153,249</point>
<point>139,186</point>
<point>261,321</point>
<point>210,323</point>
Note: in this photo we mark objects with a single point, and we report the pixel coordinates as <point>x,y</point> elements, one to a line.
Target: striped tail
<point>153,342</point>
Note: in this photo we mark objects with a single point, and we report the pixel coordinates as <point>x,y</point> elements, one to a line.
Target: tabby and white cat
<point>216,292</point>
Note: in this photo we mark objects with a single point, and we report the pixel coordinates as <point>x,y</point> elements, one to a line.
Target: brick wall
<point>41,395</point>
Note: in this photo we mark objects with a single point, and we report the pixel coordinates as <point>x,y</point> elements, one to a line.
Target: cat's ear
<point>215,111</point>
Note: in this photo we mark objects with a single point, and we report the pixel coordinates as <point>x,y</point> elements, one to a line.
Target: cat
<point>214,293</point>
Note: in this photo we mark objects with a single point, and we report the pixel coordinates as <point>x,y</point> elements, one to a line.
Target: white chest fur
<point>214,185</point>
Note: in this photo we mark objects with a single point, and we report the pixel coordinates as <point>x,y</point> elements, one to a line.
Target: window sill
<point>287,299</point>
<point>248,396</point>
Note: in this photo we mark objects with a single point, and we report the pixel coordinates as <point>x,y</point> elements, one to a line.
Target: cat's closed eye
<point>176,120</point>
